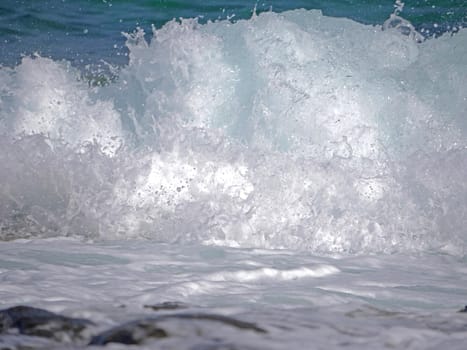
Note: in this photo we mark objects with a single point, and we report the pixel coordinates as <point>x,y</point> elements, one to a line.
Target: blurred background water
<point>89,31</point>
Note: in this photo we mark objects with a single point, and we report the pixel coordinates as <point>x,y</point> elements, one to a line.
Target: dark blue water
<point>89,31</point>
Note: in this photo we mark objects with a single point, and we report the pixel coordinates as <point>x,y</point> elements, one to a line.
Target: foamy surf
<point>146,294</point>
<point>288,180</point>
<point>289,130</point>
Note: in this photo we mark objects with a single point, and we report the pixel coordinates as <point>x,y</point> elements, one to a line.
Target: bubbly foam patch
<point>289,130</point>
<point>45,98</point>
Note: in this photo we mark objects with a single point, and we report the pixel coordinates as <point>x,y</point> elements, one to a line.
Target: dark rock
<point>131,333</point>
<point>136,332</point>
<point>167,305</point>
<point>464,309</point>
<point>219,318</point>
<point>42,323</point>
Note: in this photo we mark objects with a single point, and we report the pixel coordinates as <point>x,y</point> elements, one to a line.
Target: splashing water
<point>289,130</point>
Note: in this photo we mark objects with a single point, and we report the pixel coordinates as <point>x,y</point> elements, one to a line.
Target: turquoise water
<point>88,31</point>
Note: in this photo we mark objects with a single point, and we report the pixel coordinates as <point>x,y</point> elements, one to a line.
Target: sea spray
<point>289,130</point>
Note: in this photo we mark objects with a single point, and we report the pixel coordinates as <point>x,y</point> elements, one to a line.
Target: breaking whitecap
<point>289,130</point>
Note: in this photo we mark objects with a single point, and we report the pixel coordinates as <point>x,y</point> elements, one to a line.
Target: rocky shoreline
<point>27,323</point>
<point>174,325</point>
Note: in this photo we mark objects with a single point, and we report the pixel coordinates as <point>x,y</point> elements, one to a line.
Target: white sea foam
<point>289,130</point>
<point>360,302</point>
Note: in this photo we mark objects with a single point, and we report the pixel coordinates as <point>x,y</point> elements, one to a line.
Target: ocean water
<point>286,173</point>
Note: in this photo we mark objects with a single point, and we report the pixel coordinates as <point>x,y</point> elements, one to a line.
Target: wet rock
<point>221,319</point>
<point>16,342</point>
<point>167,305</point>
<point>131,333</point>
<point>137,332</point>
<point>464,309</point>
<point>42,323</point>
